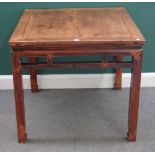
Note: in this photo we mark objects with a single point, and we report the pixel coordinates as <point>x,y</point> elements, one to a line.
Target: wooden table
<point>85,31</point>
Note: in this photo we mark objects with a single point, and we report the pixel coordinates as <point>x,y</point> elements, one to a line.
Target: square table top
<point>75,26</point>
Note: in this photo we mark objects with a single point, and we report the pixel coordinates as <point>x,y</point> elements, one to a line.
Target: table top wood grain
<point>75,26</point>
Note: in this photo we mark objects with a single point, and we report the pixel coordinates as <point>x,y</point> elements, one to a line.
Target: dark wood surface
<point>63,32</point>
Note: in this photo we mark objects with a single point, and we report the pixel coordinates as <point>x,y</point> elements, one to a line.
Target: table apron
<point>78,65</point>
<point>78,52</point>
<point>51,54</point>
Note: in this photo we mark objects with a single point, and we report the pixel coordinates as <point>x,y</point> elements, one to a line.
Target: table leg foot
<point>22,138</point>
<point>118,76</point>
<point>131,137</point>
<point>34,89</point>
<point>117,87</point>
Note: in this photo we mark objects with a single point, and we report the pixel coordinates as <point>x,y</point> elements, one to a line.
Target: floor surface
<point>78,120</point>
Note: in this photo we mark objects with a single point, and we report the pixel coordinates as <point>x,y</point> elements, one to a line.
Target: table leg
<point>118,76</point>
<point>19,99</point>
<point>134,96</point>
<point>33,76</point>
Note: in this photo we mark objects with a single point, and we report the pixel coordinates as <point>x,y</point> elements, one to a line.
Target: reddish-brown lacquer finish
<point>118,77</point>
<point>63,32</point>
<point>33,75</point>
<point>19,99</point>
